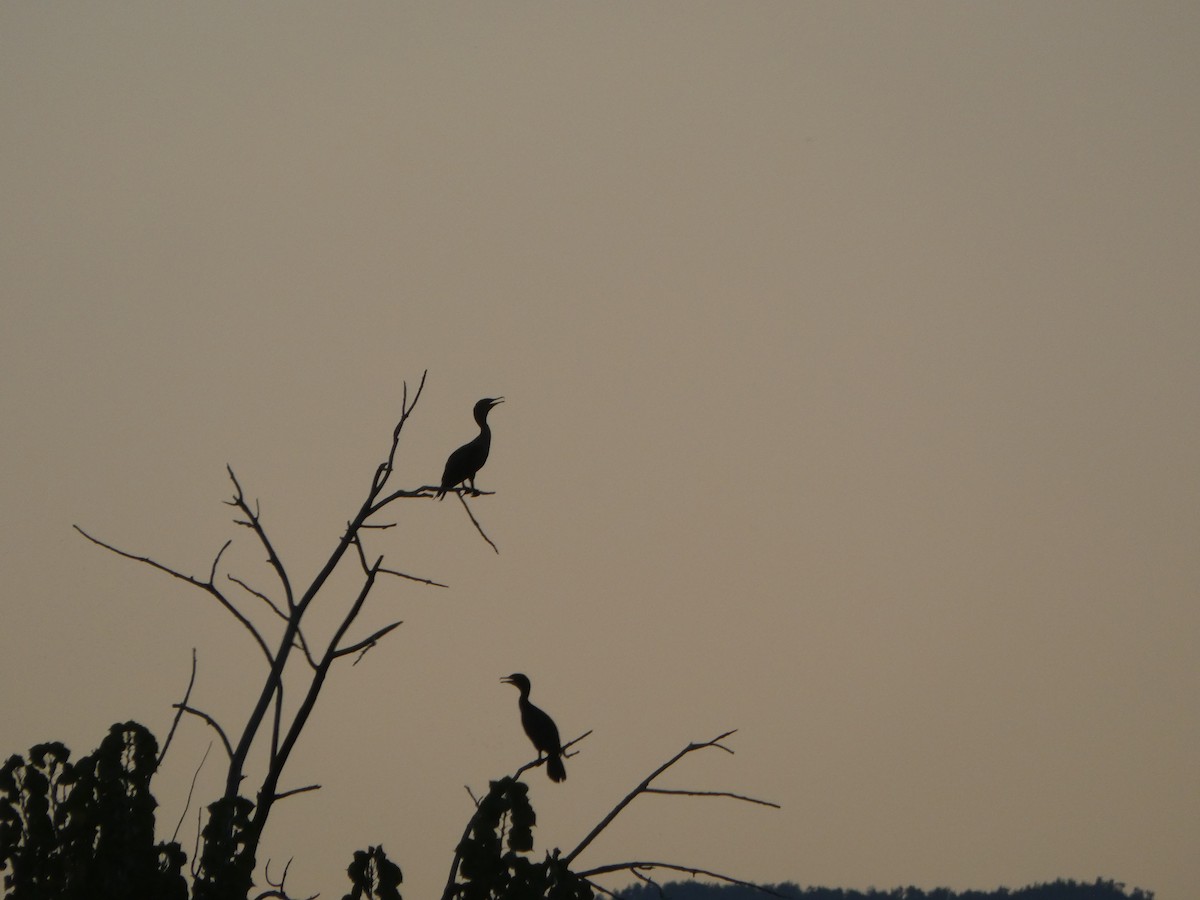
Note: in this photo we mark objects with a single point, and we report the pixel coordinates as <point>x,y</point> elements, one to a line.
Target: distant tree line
<point>1062,889</point>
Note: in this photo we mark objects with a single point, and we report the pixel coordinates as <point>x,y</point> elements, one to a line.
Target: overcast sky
<point>851,356</point>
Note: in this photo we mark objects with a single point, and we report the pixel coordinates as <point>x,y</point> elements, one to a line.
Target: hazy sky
<point>851,356</point>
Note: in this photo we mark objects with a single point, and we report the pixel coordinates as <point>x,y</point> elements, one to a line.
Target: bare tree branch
<point>416,578</point>
<point>712,794</point>
<point>206,586</point>
<point>299,790</point>
<point>423,491</point>
<point>267,794</point>
<point>276,722</point>
<point>254,523</point>
<point>641,788</point>
<point>211,721</point>
<point>191,790</point>
<point>633,868</point>
<point>366,642</point>
<point>179,713</point>
<point>278,890</point>
<point>301,642</point>
<point>385,469</point>
<point>259,594</point>
<point>475,522</point>
<point>542,760</point>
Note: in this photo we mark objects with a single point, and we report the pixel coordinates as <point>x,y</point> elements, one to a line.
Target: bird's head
<point>484,406</point>
<point>521,682</point>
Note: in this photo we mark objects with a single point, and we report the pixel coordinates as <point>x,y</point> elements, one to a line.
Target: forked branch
<point>254,523</point>
<point>644,788</point>
<point>208,587</point>
<point>636,868</point>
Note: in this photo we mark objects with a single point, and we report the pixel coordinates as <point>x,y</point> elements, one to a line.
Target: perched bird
<point>541,729</point>
<point>470,457</point>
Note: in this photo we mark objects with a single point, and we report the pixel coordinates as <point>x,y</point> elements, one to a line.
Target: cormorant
<point>541,729</point>
<point>470,457</point>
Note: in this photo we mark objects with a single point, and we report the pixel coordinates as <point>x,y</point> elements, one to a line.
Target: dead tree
<point>236,824</point>
<point>489,861</point>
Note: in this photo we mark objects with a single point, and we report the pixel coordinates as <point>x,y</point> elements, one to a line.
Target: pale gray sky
<point>851,362</point>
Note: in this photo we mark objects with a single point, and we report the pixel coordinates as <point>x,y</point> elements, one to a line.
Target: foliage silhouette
<point>86,829</point>
<point>374,876</point>
<point>492,865</point>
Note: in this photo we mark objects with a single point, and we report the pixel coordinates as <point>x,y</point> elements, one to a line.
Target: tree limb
<point>299,790</point>
<point>475,522</point>
<point>208,587</point>
<point>368,641</point>
<point>651,790</point>
<point>191,790</point>
<point>690,748</point>
<point>301,642</point>
<point>416,578</point>
<point>385,469</point>
<point>178,714</point>
<point>690,870</point>
<point>254,523</point>
<point>211,721</point>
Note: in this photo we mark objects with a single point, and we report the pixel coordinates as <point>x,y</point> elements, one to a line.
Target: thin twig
<point>255,525</point>
<point>417,578</point>
<point>367,641</point>
<point>259,594</point>
<point>542,760</point>
<point>300,790</point>
<point>191,790</point>
<point>211,721</point>
<point>475,522</point>
<point>178,714</point>
<point>300,641</point>
<point>690,748</point>
<point>690,870</point>
<point>423,491</point>
<point>195,867</point>
<point>209,586</point>
<point>651,790</point>
<point>384,472</point>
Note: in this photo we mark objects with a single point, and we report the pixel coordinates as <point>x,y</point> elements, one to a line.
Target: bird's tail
<point>555,768</point>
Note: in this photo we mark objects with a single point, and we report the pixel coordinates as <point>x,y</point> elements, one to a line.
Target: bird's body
<point>470,457</point>
<point>540,728</point>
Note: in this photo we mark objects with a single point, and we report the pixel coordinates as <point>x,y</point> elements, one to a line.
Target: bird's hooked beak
<point>495,402</point>
<point>507,679</point>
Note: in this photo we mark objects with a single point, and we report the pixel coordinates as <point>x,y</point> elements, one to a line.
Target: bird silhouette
<point>470,457</point>
<point>541,729</point>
